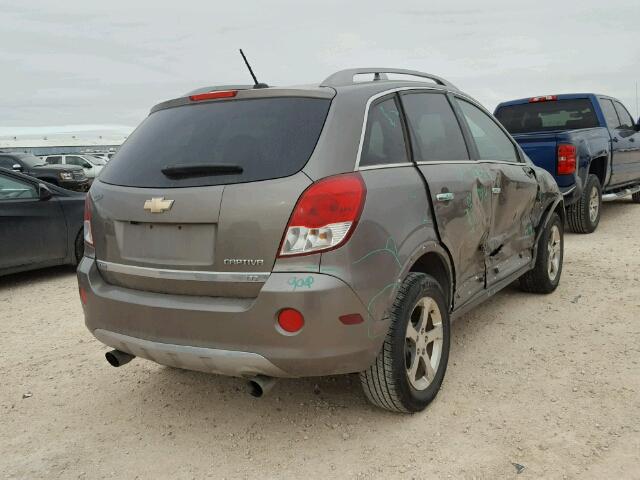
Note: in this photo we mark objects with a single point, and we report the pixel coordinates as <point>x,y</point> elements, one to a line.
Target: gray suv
<point>314,230</point>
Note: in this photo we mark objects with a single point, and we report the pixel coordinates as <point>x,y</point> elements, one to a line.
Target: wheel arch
<point>434,260</point>
<point>598,167</point>
<point>555,206</point>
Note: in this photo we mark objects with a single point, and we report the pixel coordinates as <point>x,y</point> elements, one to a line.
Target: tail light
<point>544,98</point>
<point>566,159</point>
<point>88,236</point>
<point>325,216</point>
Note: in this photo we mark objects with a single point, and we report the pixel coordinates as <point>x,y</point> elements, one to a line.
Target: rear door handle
<point>445,197</point>
<point>496,190</point>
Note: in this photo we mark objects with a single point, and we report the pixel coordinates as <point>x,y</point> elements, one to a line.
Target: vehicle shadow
<point>613,210</point>
<point>49,274</point>
<point>170,391</point>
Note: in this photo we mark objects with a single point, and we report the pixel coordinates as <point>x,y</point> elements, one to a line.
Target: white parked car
<point>91,165</point>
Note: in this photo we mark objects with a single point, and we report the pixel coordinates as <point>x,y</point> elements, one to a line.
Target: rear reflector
<point>544,98</point>
<point>83,295</point>
<point>325,216</point>
<point>566,159</point>
<point>88,235</point>
<point>290,320</point>
<point>351,319</point>
<point>213,95</point>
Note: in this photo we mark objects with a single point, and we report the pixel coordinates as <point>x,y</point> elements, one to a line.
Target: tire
<point>581,216</point>
<point>545,276</point>
<point>635,198</point>
<point>386,382</point>
<point>79,247</point>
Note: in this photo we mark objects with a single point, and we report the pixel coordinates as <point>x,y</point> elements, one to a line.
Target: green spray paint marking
<point>296,282</point>
<point>390,248</point>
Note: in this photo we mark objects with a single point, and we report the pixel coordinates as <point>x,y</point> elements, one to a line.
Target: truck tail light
<point>88,236</point>
<point>325,216</point>
<point>544,98</point>
<point>566,159</point>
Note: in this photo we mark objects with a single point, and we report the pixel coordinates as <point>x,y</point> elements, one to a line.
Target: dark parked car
<point>589,142</point>
<point>70,177</point>
<point>40,224</point>
<point>317,230</point>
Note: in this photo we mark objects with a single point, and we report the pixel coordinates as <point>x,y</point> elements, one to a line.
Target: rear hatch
<point>198,198</point>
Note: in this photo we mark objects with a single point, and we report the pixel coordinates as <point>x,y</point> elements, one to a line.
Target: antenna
<point>255,80</point>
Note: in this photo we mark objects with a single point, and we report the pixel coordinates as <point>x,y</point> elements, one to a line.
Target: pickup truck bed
<point>590,144</point>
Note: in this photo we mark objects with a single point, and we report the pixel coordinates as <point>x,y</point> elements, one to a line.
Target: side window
<point>435,132</point>
<point>73,160</point>
<point>626,121</point>
<point>491,141</point>
<point>384,138</point>
<point>12,189</point>
<point>609,112</point>
<point>54,159</point>
<point>7,162</point>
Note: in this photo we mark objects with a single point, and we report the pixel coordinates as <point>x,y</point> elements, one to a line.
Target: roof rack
<point>345,77</point>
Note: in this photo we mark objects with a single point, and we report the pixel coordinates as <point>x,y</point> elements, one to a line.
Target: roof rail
<point>345,77</point>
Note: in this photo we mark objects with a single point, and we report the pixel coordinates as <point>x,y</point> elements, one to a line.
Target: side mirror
<point>87,165</point>
<point>17,167</point>
<point>638,125</point>
<point>43,192</point>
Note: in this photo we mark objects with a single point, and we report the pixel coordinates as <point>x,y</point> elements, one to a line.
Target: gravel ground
<point>551,383</point>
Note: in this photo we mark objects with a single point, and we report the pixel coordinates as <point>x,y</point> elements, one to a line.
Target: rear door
<point>514,191</point>
<point>197,200</point>
<point>32,231</point>
<point>626,147</point>
<point>460,187</point>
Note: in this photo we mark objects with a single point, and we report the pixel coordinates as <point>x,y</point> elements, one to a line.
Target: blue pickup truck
<point>589,142</point>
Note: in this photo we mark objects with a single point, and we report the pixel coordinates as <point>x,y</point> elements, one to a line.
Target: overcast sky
<point>106,63</point>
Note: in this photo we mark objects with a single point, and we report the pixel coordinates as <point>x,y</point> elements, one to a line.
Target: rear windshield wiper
<point>200,170</point>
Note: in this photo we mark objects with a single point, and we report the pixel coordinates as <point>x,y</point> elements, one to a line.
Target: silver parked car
<point>91,165</point>
<point>317,230</point>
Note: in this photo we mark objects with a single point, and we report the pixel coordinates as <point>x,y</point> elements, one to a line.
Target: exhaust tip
<point>255,390</point>
<point>116,358</point>
<point>259,385</point>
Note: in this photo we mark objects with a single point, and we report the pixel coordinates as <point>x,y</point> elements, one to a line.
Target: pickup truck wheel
<point>584,215</point>
<point>545,276</point>
<point>635,198</point>
<point>407,373</point>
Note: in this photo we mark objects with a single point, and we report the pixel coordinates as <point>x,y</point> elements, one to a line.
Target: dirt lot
<point>548,382</point>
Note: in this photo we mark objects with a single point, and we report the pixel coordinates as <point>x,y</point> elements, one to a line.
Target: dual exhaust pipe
<point>256,386</point>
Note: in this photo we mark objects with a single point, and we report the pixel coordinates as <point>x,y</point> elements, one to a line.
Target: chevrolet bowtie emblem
<point>158,205</point>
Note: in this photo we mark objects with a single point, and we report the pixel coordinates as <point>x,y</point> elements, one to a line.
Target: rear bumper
<point>210,360</point>
<point>234,336</point>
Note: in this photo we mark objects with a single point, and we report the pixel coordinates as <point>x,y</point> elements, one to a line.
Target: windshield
<point>262,138</point>
<point>548,116</point>
<point>32,160</point>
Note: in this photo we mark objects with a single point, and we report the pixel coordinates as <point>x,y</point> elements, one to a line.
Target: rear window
<point>268,138</point>
<point>548,116</point>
